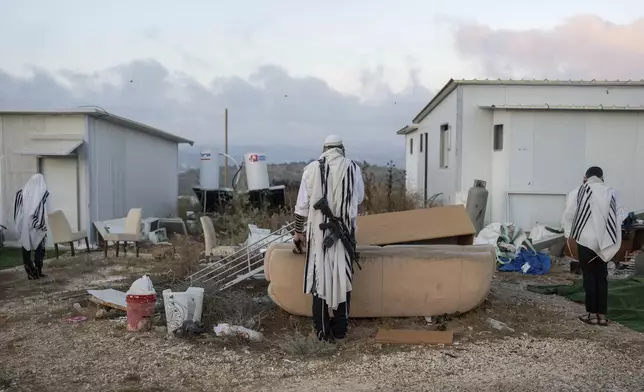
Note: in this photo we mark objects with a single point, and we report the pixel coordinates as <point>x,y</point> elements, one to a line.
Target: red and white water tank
<point>256,171</point>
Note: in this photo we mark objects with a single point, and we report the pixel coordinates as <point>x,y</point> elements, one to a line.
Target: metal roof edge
<point>97,112</point>
<point>553,82</point>
<point>438,98</point>
<point>407,129</point>
<point>608,108</point>
<point>107,116</point>
<point>453,83</point>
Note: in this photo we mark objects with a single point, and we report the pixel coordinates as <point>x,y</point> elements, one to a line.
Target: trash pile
<point>183,310</point>
<point>514,249</point>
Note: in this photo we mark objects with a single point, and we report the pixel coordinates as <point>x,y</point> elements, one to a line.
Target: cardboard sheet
<point>408,336</point>
<point>438,225</point>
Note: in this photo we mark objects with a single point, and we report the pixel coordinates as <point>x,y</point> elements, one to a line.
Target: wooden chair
<point>131,233</point>
<point>61,232</point>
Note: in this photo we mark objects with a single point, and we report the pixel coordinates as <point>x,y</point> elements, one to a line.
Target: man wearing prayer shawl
<point>596,227</point>
<point>328,272</point>
<point>31,207</point>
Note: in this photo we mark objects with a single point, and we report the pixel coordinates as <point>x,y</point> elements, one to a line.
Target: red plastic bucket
<point>140,309</point>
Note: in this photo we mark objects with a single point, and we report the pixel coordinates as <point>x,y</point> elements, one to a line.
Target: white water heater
<point>256,171</point>
<point>209,170</point>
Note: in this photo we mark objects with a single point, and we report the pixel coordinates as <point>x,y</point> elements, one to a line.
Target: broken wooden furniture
<point>131,233</point>
<point>61,232</point>
<point>395,280</point>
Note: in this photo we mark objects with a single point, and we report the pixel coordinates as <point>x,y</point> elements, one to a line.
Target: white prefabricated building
<point>530,140</point>
<point>97,165</point>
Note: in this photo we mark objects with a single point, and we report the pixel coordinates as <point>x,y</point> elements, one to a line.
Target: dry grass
<point>388,195</point>
<point>237,306</point>
<point>384,192</point>
<point>305,346</point>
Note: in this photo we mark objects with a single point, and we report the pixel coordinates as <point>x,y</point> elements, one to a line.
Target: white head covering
<point>30,216</point>
<point>332,141</point>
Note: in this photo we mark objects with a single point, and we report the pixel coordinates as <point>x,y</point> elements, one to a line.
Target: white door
<point>61,176</point>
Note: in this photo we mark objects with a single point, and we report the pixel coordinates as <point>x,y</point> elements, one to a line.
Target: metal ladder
<point>243,264</point>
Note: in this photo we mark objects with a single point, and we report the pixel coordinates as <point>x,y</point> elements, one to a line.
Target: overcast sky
<point>291,72</point>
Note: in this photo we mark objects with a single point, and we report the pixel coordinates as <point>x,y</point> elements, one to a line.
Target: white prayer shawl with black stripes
<point>596,224</point>
<point>30,212</point>
<point>328,273</point>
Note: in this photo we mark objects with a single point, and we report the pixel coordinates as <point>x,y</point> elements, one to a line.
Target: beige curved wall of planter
<point>395,280</point>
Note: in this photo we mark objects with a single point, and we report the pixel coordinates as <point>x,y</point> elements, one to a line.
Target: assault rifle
<point>338,231</point>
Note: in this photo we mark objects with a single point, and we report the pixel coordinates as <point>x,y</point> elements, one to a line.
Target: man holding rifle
<point>327,206</point>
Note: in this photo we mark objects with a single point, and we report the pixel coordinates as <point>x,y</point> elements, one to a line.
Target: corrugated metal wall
<point>131,169</point>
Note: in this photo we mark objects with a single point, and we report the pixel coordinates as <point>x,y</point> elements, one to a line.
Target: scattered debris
<point>189,329</point>
<point>527,262</point>
<point>110,298</point>
<point>77,307</point>
<point>77,319</point>
<point>223,250</point>
<point>496,324</point>
<point>403,336</point>
<point>428,319</point>
<point>225,329</point>
<point>506,238</point>
<point>173,226</point>
<point>514,251</point>
<point>102,313</point>
<point>181,307</point>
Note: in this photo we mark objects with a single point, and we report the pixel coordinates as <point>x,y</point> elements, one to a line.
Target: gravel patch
<point>549,350</point>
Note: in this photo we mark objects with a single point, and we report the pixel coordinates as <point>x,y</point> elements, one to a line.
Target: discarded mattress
<point>395,281</point>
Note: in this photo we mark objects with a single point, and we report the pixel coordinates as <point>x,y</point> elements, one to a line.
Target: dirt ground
<point>40,350</point>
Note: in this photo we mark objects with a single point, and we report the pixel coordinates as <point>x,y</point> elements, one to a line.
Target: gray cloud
<point>270,110</point>
<point>583,46</point>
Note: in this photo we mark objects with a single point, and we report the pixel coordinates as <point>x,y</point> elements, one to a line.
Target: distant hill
<point>286,174</point>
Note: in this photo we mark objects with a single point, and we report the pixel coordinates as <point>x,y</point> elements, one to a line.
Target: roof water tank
<point>209,170</point>
<point>256,171</point>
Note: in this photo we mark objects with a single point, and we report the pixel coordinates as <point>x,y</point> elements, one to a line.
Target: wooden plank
<point>405,336</point>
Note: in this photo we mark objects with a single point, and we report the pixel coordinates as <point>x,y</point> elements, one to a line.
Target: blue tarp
<point>539,263</point>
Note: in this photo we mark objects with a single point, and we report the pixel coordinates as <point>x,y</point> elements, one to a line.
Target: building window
<point>411,145</point>
<point>421,142</point>
<point>498,137</point>
<point>444,146</point>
